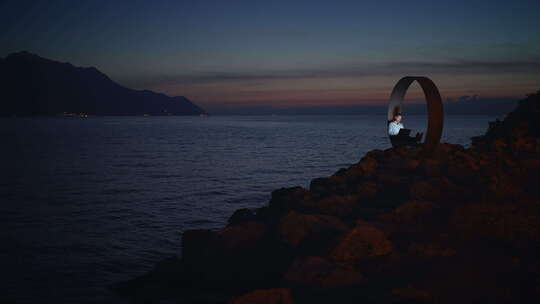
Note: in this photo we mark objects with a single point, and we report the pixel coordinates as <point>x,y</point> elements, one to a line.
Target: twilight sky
<point>287,53</point>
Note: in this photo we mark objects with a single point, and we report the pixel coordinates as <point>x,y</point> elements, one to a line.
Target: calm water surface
<point>89,202</point>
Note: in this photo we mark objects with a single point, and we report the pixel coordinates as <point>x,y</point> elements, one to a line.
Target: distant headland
<point>32,85</point>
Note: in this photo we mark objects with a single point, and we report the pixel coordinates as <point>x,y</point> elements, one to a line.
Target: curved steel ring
<point>434,107</point>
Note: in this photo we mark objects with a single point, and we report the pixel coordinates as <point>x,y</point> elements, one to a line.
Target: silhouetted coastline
<point>31,85</point>
<point>459,225</point>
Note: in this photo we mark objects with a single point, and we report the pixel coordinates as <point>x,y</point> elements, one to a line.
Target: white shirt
<point>394,127</point>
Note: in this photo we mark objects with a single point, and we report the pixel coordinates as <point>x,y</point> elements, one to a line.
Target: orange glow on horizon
<point>369,91</point>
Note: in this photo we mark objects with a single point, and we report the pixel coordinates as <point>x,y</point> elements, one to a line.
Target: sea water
<point>89,202</point>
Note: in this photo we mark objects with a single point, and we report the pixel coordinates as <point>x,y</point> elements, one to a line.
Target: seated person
<point>399,135</point>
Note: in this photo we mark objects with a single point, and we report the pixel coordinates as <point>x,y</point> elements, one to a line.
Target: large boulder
<point>265,296</point>
<point>391,180</point>
<point>368,165</point>
<point>367,190</point>
<point>410,294</point>
<point>435,189</point>
<point>243,236</point>
<point>286,199</point>
<point>503,187</point>
<point>530,164</point>
<point>412,217</point>
<point>413,211</point>
<point>242,215</point>
<point>410,164</point>
<point>431,167</point>
<point>376,154</point>
<point>317,272</point>
<point>362,242</point>
<point>364,169</point>
<point>463,168</point>
<point>508,222</point>
<point>328,186</point>
<point>230,256</point>
<point>431,249</point>
<point>393,188</point>
<point>425,190</point>
<point>195,245</point>
<point>340,206</point>
<point>445,149</point>
<point>305,230</point>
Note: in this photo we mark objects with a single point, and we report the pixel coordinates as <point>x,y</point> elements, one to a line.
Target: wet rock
<point>317,272</point>
<point>328,186</point>
<point>376,154</point>
<point>239,237</point>
<point>263,214</point>
<point>363,241</point>
<point>229,256</point>
<point>341,172</point>
<point>195,244</point>
<point>242,215</point>
<point>265,296</point>
<point>167,274</point>
<point>298,229</point>
<point>285,199</point>
<point>233,258</point>
<point>201,244</point>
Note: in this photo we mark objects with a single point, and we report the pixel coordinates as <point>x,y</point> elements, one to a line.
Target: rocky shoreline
<point>400,226</point>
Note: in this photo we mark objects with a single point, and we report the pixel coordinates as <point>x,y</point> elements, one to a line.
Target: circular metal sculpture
<point>434,107</point>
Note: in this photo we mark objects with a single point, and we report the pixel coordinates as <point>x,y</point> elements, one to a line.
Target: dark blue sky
<point>287,53</point>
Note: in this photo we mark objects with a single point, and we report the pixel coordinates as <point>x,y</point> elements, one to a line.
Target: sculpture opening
<point>434,108</point>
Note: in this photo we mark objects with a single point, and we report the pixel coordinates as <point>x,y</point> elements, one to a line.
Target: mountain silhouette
<point>33,85</point>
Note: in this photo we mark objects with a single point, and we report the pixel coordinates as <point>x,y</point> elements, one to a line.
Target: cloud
<point>348,71</point>
<point>475,66</point>
<point>465,98</point>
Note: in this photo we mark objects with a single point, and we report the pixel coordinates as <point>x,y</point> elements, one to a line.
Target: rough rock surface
<point>297,229</point>
<point>316,272</point>
<point>459,225</point>
<point>270,296</point>
<point>362,242</point>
